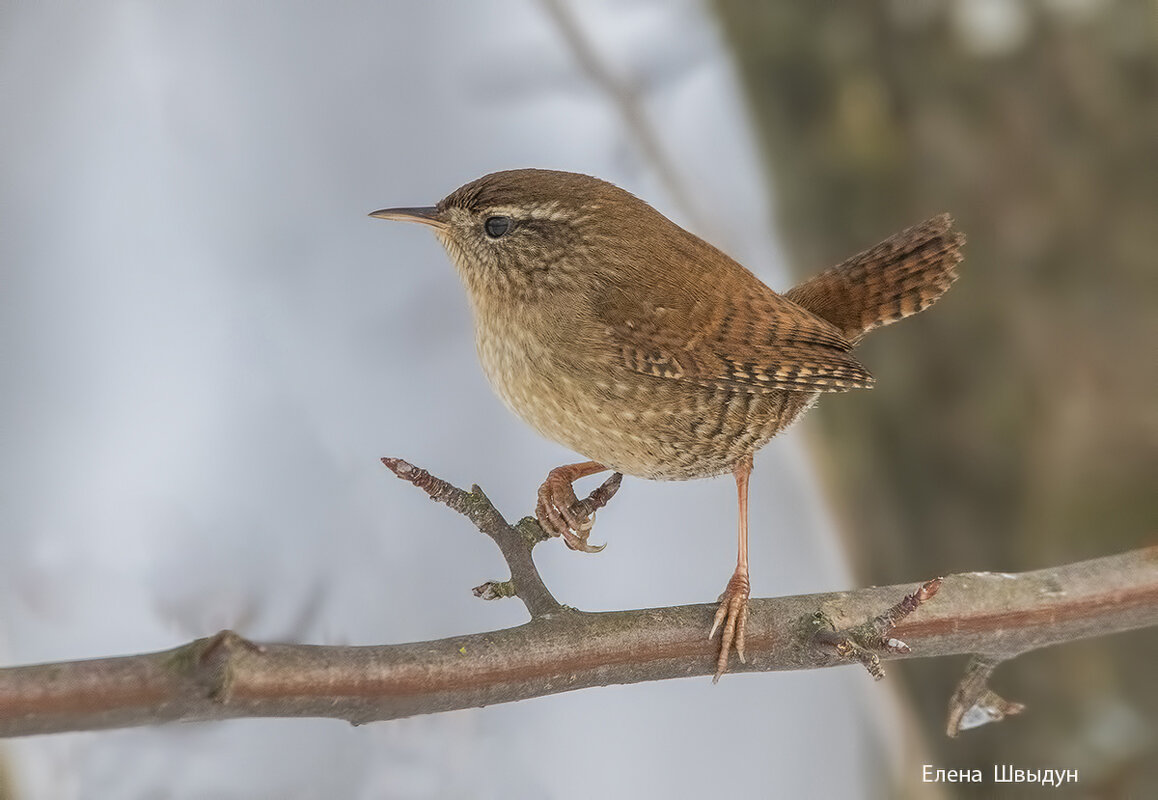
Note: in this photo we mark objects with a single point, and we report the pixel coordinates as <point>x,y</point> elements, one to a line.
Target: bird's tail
<point>902,275</point>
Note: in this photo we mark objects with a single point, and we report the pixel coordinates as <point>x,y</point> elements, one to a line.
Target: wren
<point>615,332</point>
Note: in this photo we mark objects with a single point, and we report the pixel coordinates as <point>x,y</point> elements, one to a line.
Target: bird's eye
<point>497,226</point>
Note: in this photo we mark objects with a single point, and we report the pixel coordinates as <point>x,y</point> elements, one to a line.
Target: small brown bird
<point>612,330</point>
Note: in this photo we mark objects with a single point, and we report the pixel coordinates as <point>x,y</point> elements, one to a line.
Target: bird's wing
<point>752,340</point>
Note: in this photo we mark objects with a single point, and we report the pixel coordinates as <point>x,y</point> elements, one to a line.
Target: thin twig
<point>513,541</point>
<point>973,703</point>
<point>863,642</point>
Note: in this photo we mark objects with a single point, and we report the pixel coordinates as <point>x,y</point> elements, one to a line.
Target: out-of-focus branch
<point>627,103</point>
<point>994,615</point>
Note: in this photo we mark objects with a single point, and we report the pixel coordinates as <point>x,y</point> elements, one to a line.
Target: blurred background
<point>1018,427</point>
<point>207,345</point>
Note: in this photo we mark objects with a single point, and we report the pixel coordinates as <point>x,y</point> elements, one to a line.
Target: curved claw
<point>575,529</point>
<point>562,514</point>
<point>579,542</point>
<point>733,616</point>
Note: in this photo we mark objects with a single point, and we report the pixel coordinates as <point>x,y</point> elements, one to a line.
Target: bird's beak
<point>428,215</point>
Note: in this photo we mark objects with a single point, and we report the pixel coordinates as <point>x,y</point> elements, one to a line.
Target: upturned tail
<point>897,278</point>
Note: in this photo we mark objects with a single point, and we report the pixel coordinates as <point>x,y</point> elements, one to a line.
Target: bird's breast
<point>580,395</point>
<point>530,376</point>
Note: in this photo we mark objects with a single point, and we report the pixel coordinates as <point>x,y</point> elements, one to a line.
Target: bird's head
<point>523,232</point>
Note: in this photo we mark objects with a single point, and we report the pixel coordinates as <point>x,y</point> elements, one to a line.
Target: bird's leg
<point>562,514</point>
<point>733,610</point>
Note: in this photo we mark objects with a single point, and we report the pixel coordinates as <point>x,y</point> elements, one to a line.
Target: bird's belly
<point>640,425</point>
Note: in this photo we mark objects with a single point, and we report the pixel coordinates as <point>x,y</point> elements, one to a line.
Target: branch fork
<point>514,541</point>
<point>863,642</point>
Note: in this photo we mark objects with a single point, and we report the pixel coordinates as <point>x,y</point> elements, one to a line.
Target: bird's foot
<point>733,616</point>
<point>562,514</point>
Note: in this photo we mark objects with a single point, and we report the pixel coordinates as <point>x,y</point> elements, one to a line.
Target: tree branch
<point>996,616</point>
<point>973,703</point>
<point>626,101</point>
<point>515,542</point>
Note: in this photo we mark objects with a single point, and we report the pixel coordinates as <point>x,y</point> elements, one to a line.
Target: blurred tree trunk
<point>1024,404</point>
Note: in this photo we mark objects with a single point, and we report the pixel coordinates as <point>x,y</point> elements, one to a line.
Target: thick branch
<point>994,616</point>
<point>224,677</point>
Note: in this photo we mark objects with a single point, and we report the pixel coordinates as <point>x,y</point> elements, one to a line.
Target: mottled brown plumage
<point>617,333</point>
